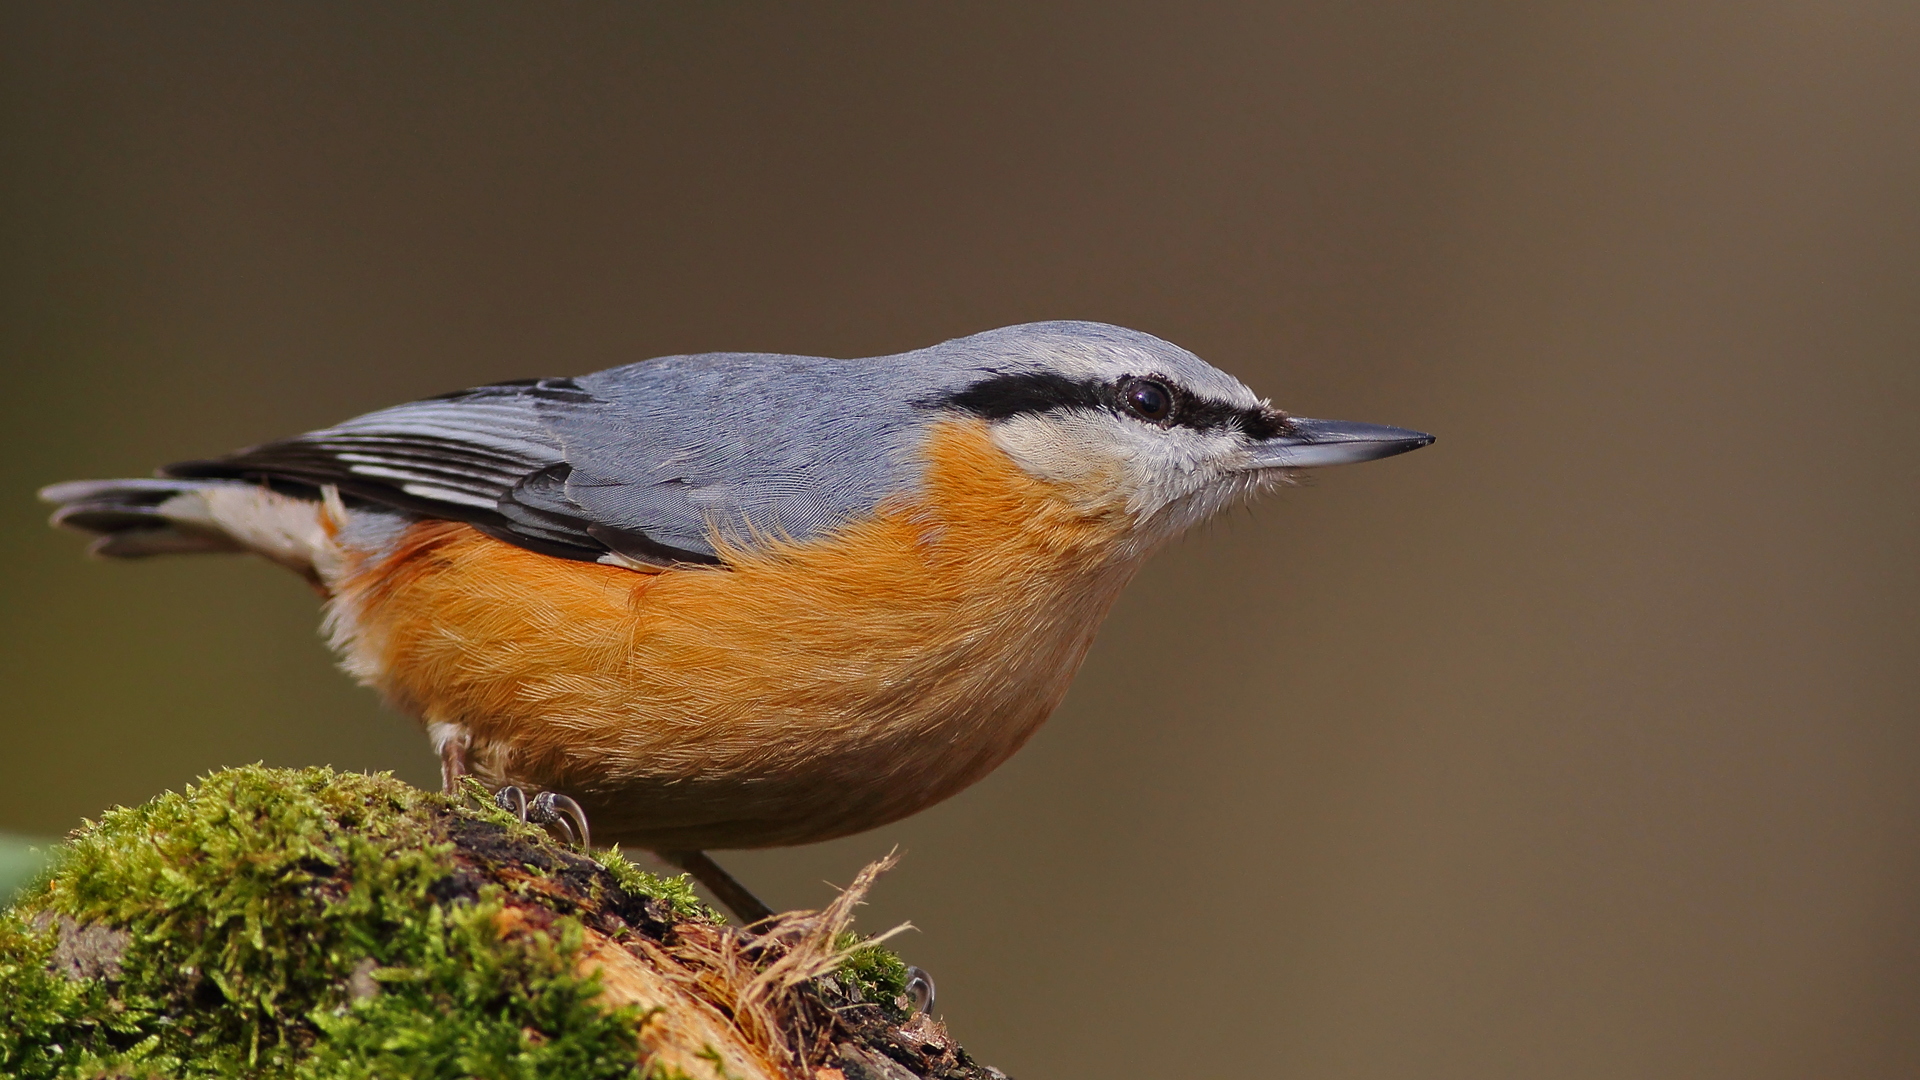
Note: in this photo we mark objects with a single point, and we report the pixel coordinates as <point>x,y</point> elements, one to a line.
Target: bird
<point>740,600</point>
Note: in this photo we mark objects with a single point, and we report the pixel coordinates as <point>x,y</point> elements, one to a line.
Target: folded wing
<point>649,462</point>
<point>486,456</point>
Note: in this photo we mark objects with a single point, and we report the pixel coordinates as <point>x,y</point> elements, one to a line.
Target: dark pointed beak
<point>1310,444</point>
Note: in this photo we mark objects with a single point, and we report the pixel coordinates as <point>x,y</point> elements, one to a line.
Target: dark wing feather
<point>482,456</point>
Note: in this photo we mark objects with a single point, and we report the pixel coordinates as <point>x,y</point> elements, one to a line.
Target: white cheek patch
<point>1175,467</point>
<point>1057,446</point>
<point>1115,460</point>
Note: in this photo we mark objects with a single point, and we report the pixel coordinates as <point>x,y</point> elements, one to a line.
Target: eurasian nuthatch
<point>740,599</point>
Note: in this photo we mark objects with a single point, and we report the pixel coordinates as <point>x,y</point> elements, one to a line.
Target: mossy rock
<point>280,923</point>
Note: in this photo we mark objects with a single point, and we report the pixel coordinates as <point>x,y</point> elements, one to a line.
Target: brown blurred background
<point>1581,745</point>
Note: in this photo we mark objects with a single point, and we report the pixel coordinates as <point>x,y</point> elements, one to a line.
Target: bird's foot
<point>920,990</point>
<point>550,809</point>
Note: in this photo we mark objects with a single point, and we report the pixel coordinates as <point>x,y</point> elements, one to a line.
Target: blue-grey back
<point>787,445</point>
<point>650,459</point>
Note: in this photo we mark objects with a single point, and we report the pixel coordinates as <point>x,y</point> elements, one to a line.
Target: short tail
<point>131,519</point>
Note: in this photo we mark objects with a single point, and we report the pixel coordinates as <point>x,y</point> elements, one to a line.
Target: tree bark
<point>308,923</point>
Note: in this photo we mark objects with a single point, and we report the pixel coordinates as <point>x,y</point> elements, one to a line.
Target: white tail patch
<point>296,533</point>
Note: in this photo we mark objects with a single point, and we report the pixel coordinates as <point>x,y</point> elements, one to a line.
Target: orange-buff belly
<point>813,689</point>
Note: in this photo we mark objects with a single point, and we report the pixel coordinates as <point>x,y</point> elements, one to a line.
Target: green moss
<point>297,924</point>
<point>465,1005</point>
<point>876,972</point>
<point>677,891</point>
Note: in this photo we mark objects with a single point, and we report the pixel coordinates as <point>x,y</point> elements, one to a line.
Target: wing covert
<point>463,456</point>
<point>649,462</point>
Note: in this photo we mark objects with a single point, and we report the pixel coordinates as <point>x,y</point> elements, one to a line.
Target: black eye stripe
<point>1206,414</point>
<point>1004,396</point>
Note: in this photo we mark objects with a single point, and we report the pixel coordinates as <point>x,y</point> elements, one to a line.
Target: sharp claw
<point>553,808</point>
<point>920,989</point>
<point>512,800</point>
<point>547,808</point>
<point>579,815</point>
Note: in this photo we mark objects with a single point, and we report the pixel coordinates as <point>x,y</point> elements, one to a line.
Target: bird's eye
<point>1148,399</point>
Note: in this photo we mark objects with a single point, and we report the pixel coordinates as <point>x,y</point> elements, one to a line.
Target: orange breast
<point>812,690</point>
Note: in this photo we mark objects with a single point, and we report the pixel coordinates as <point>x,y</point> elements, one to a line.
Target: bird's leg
<point>453,764</point>
<point>551,808</point>
<point>750,910</point>
<point>547,808</point>
<point>745,906</point>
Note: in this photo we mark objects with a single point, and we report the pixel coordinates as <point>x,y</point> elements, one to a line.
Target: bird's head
<point>1121,420</point>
